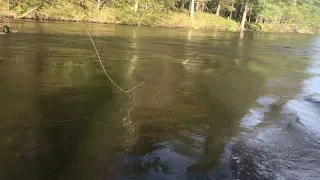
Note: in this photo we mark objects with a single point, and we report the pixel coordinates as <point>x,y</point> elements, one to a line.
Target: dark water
<point>216,105</point>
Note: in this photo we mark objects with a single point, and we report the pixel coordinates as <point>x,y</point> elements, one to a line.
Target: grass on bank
<point>155,15</point>
<point>303,18</point>
<point>201,21</point>
<point>276,27</point>
<point>152,16</point>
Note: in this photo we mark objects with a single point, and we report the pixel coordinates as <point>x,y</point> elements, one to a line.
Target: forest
<point>302,16</point>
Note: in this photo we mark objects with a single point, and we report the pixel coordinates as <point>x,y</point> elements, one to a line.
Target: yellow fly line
<point>104,69</point>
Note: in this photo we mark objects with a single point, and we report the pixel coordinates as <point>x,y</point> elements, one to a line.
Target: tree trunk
<point>197,6</point>
<point>218,9</point>
<point>136,5</point>
<point>191,8</point>
<point>98,6</point>
<point>202,5</point>
<point>236,14</point>
<point>8,5</point>
<point>244,15</point>
<point>257,19</point>
<point>230,16</point>
<point>279,20</point>
<point>181,4</point>
<point>250,9</point>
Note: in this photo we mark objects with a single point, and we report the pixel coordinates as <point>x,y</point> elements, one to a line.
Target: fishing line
<point>104,69</point>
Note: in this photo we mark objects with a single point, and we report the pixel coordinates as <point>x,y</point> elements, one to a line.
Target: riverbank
<point>281,28</point>
<point>152,18</point>
<point>111,16</point>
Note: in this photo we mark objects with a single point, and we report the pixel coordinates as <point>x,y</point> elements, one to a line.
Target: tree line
<point>296,13</point>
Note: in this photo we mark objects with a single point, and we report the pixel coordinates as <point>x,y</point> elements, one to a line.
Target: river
<point>215,105</point>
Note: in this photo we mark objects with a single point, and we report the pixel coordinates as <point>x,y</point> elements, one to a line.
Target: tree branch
<point>28,12</point>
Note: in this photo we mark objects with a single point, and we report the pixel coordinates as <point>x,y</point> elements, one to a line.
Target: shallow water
<point>216,105</point>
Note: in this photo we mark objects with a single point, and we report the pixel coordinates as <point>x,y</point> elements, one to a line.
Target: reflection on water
<point>285,140</point>
<point>211,99</point>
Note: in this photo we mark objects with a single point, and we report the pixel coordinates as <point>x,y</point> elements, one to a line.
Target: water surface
<point>216,105</point>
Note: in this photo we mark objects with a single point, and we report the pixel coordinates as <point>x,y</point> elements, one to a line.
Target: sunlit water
<point>216,105</point>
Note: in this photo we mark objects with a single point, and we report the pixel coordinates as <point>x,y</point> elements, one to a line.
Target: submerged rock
<point>6,29</point>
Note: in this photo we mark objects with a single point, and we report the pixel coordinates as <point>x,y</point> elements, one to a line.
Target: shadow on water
<point>187,112</point>
<point>286,142</point>
<point>53,124</point>
<point>67,115</point>
<point>62,119</point>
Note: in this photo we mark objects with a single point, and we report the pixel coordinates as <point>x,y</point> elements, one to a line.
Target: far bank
<point>153,18</point>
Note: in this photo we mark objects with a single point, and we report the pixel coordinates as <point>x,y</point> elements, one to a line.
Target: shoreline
<point>266,28</point>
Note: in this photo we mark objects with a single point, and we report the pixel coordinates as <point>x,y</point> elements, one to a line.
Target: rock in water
<point>6,29</point>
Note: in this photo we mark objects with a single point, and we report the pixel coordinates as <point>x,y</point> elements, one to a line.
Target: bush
<point>253,26</point>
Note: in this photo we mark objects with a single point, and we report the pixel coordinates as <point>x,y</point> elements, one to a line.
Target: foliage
<point>297,16</point>
<point>147,15</point>
<point>201,21</point>
<point>268,15</point>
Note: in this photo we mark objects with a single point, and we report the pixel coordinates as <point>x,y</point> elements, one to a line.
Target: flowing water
<point>216,105</point>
